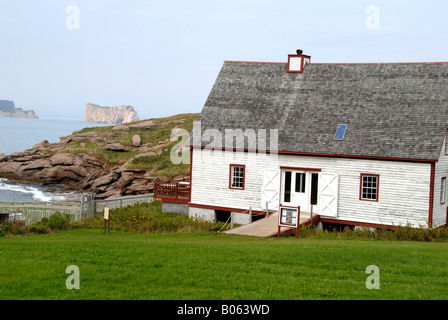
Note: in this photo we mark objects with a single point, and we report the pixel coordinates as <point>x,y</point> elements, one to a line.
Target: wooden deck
<point>268,227</point>
<point>173,191</point>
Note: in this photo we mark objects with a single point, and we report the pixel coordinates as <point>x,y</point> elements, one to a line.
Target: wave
<point>36,194</point>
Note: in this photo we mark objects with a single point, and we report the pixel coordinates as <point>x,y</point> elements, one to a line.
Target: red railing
<point>172,189</point>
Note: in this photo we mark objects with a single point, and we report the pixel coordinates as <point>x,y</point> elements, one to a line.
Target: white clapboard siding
<point>403,189</point>
<point>441,170</point>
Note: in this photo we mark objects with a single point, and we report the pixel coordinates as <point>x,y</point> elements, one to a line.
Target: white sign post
<point>289,217</point>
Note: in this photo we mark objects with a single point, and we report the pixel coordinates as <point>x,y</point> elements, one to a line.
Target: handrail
<point>177,189</point>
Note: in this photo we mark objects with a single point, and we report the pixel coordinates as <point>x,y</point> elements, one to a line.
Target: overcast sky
<point>162,57</point>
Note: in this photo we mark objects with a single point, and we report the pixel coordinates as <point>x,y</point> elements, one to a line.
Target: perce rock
<point>114,115</point>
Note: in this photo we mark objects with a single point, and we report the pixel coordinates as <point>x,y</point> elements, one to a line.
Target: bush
<point>402,233</point>
<point>56,221</point>
<point>14,227</point>
<point>147,217</point>
<point>40,226</point>
<point>59,221</point>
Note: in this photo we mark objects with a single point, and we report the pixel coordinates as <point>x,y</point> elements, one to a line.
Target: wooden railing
<point>176,189</point>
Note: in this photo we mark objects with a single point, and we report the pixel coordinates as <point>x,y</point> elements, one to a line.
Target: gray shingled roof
<point>392,110</point>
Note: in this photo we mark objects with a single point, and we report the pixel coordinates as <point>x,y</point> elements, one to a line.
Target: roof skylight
<point>340,132</point>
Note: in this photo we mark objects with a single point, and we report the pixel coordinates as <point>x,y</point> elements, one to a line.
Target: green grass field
<point>205,265</point>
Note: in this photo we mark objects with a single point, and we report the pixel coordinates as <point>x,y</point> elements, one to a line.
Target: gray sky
<point>162,57</point>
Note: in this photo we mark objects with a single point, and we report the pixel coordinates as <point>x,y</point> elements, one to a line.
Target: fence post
<point>250,214</point>
<point>82,207</point>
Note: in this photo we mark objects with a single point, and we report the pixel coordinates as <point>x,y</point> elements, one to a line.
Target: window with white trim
<point>237,176</point>
<point>369,187</point>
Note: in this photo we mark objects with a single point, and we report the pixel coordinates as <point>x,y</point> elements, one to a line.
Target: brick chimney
<point>297,62</point>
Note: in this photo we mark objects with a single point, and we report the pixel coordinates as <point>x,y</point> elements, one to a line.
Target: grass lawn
<point>184,266</point>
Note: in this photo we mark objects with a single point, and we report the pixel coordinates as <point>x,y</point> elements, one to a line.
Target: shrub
<point>147,217</point>
<point>14,227</point>
<point>402,233</point>
<point>59,221</point>
<point>56,221</point>
<point>40,226</point>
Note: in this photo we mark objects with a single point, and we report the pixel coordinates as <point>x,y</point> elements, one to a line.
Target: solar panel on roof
<point>340,132</point>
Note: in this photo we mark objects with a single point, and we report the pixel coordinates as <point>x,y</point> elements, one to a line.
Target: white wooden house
<point>359,144</point>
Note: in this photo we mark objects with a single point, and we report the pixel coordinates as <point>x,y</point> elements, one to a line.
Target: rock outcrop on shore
<point>52,164</point>
<point>113,115</point>
<point>9,110</point>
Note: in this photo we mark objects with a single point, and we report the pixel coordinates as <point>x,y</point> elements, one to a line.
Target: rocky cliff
<point>110,161</point>
<point>9,110</point>
<point>114,115</point>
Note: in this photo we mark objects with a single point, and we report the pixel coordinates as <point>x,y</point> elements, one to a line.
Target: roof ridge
<point>376,63</point>
<point>236,61</point>
<point>342,63</point>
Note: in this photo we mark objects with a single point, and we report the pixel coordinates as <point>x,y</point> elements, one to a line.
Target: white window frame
<point>237,182</point>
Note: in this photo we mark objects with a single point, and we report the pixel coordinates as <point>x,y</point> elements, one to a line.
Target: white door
<point>328,194</point>
<point>270,189</point>
<point>296,189</point>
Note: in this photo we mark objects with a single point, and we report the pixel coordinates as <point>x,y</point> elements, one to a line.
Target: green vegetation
<point>148,218</point>
<point>152,138</point>
<point>139,218</point>
<point>125,265</point>
<point>152,255</point>
<point>56,221</point>
<point>161,165</point>
<point>403,233</point>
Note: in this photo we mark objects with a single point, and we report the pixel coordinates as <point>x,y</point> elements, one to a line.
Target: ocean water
<point>19,135</point>
<point>12,192</point>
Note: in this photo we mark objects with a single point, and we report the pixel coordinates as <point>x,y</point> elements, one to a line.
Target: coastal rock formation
<point>78,172</point>
<point>117,147</point>
<point>9,110</point>
<point>70,162</point>
<point>114,115</point>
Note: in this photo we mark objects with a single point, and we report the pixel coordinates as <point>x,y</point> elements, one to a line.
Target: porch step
<point>266,227</point>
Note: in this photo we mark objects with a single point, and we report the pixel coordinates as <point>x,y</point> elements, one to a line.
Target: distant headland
<point>112,115</point>
<point>9,110</point>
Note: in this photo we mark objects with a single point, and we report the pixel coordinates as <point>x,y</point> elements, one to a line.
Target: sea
<point>21,134</point>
